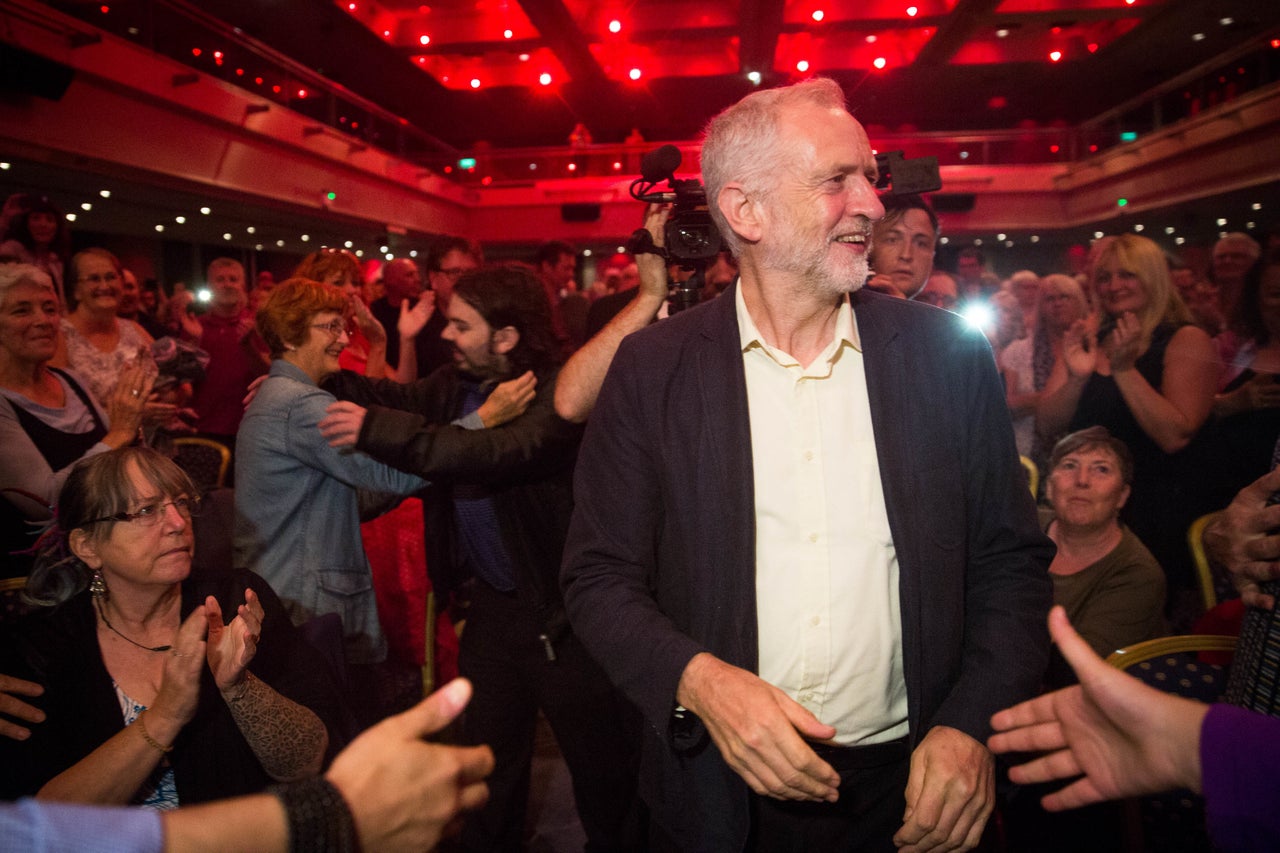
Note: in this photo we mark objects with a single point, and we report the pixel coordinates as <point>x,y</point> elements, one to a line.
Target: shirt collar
<point>846,333</point>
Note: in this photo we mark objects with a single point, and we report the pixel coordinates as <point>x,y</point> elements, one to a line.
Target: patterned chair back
<point>1174,822</point>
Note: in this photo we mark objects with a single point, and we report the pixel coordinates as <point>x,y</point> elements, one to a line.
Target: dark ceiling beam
<point>761,23</point>
<point>967,17</point>
<point>561,33</point>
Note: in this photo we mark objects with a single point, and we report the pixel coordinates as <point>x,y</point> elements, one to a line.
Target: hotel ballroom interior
<point>175,132</point>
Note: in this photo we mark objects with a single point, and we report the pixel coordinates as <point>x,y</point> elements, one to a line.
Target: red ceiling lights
<point>424,40</point>
<point>879,62</point>
<point>1055,55</point>
<point>634,73</point>
<point>544,78</point>
<point>615,26</point>
<point>818,15</point>
<point>912,11</point>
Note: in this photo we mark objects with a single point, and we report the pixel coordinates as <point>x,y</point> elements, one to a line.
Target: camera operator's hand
<point>582,375</point>
<point>652,268</point>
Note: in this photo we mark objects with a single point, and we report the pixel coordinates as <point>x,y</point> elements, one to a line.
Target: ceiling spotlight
<point>348,244</point>
<point>544,78</point>
<point>1169,229</point>
<point>105,193</point>
<point>1139,227</point>
<point>1179,240</point>
<point>1097,235</point>
<point>964,155</point>
<point>359,253</point>
<point>912,11</point>
<point>475,82</point>
<point>1002,236</point>
<point>818,15</point>
<point>71,217</point>
<point>1226,22</point>
<point>1002,33</point>
<point>615,26</point>
<point>506,34</point>
<point>1197,36</point>
<point>390,257</point>
<point>383,249</point>
<point>977,241</point>
<point>586,253</point>
<point>181,220</point>
<point>306,238</point>
<point>250,230</point>
<point>159,227</point>
<point>226,235</point>
<point>280,243</point>
<point>944,240</point>
<point>1257,205</point>
<point>6,166</point>
<point>1055,55</point>
<point>634,73</point>
<point>84,205</point>
<point>424,40</point>
<point>879,62</point>
<point>1222,223</point>
<point>413,253</point>
<point>206,211</point>
<point>573,167</point>
<point>257,247</point>
<point>754,77</point>
<point>1035,238</point>
<point>1008,244</point>
<point>871,39</point>
<point>802,66</point>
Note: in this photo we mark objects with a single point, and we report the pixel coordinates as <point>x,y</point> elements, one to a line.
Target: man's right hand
<point>1242,539</point>
<point>405,793</point>
<point>759,730</point>
<point>14,707</point>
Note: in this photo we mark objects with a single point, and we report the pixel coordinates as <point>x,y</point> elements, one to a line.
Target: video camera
<point>691,237</point>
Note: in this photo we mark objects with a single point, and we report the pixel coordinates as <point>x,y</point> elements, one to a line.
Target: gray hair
<point>742,143</point>
<point>96,488</point>
<point>11,275</point>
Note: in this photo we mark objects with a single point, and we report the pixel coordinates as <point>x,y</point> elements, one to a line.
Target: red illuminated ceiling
<point>471,44</point>
<point>513,73</point>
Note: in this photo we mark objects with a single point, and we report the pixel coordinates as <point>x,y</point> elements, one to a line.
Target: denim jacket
<point>297,520</point>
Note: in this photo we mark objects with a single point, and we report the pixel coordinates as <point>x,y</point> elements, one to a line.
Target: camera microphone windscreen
<point>660,164</point>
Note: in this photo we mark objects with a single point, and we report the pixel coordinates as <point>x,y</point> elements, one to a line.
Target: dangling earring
<point>97,586</point>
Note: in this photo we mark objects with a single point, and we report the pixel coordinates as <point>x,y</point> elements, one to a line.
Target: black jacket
<point>525,466</point>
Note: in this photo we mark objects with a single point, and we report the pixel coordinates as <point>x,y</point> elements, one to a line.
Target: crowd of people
<point>670,585</point>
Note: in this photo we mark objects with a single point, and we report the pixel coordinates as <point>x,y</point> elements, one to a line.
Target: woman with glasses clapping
<point>161,687</point>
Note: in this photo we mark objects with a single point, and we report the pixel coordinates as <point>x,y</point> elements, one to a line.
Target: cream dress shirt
<point>830,629</point>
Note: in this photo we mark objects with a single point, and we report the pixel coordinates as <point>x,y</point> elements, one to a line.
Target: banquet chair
<point>1173,822</point>
<point>205,461</point>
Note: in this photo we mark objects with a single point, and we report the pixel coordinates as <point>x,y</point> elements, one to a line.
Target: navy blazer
<point>660,559</point>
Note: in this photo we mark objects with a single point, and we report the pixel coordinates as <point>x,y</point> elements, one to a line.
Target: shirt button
<point>813,537</point>
<point>808,456</point>
<point>815,621</point>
